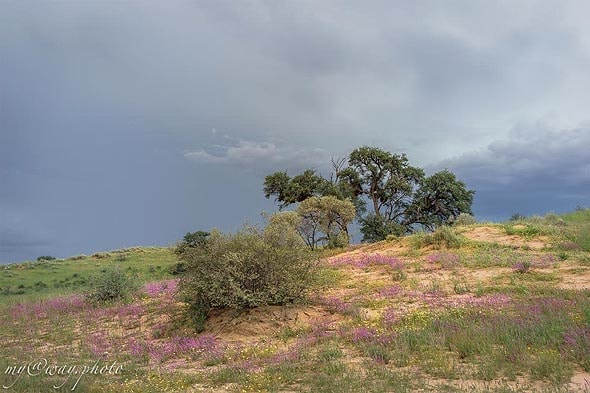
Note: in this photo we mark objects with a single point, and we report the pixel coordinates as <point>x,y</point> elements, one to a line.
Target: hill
<point>483,307</point>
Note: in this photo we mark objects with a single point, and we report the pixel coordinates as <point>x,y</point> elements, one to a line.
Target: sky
<point>128,123</point>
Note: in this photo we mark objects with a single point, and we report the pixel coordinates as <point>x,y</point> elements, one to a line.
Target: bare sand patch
<point>496,235</point>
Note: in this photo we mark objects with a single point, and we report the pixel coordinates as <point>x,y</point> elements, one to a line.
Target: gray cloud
<point>262,157</point>
<point>101,104</point>
<point>535,170</point>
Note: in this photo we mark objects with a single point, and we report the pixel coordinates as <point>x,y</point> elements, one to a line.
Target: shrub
<point>464,219</point>
<point>45,258</point>
<point>517,217</point>
<point>376,228</point>
<point>526,230</point>
<point>177,268</point>
<point>196,239</point>
<point>249,269</point>
<point>443,236</point>
<point>111,284</point>
<point>568,246</point>
<point>522,267</point>
<point>583,238</point>
<point>191,240</point>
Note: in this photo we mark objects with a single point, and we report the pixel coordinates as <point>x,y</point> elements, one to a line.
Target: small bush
<point>191,240</point>
<point>583,238</point>
<point>39,285</point>
<point>517,217</point>
<point>464,219</point>
<point>568,246</point>
<point>45,258</point>
<point>177,268</point>
<point>526,230</point>
<point>111,284</point>
<point>522,267</point>
<point>249,269</point>
<point>376,228</point>
<point>443,236</point>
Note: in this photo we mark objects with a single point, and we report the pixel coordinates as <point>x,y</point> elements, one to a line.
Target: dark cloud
<point>534,171</point>
<point>101,104</point>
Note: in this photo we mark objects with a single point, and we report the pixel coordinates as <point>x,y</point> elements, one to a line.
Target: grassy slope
<point>49,278</point>
<point>507,308</point>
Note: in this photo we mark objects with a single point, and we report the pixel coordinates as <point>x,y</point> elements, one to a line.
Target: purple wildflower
<point>445,259</point>
<point>335,304</point>
<point>161,288</point>
<point>391,316</point>
<point>390,291</point>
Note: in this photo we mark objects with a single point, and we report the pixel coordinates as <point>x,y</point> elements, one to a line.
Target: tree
<point>401,196</point>
<point>440,199</point>
<point>328,215</point>
<point>318,220</point>
<point>276,184</point>
<point>375,228</point>
<point>386,179</point>
<point>196,239</point>
<point>292,190</point>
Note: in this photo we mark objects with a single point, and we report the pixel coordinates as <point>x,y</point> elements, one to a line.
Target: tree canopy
<point>401,196</point>
<point>328,215</point>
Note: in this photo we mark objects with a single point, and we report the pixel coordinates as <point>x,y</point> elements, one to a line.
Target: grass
<point>527,231</point>
<point>34,280</point>
<point>461,319</point>
<point>443,237</point>
<point>570,231</point>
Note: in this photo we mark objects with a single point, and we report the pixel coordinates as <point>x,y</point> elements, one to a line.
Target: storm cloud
<point>130,123</point>
<point>533,171</point>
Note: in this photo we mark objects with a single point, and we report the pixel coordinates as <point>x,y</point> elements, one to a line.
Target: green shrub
<point>177,268</point>
<point>249,269</point>
<point>45,258</point>
<point>464,219</point>
<point>196,239</point>
<point>583,238</point>
<point>376,228</point>
<point>527,230</point>
<point>190,241</point>
<point>111,284</point>
<point>443,236</point>
<point>517,217</point>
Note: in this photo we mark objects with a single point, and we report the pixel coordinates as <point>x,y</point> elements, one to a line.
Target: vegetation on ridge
<point>469,308</point>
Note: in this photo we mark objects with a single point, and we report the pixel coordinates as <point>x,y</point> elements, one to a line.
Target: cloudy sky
<point>132,122</point>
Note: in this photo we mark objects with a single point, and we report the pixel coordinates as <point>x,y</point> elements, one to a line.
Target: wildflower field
<point>500,308</point>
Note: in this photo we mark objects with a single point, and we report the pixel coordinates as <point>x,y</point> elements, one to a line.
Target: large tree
<point>440,199</point>
<point>386,179</point>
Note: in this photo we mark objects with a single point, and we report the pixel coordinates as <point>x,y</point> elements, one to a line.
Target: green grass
<point>35,280</point>
<point>443,237</point>
<point>568,231</point>
<point>528,231</point>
